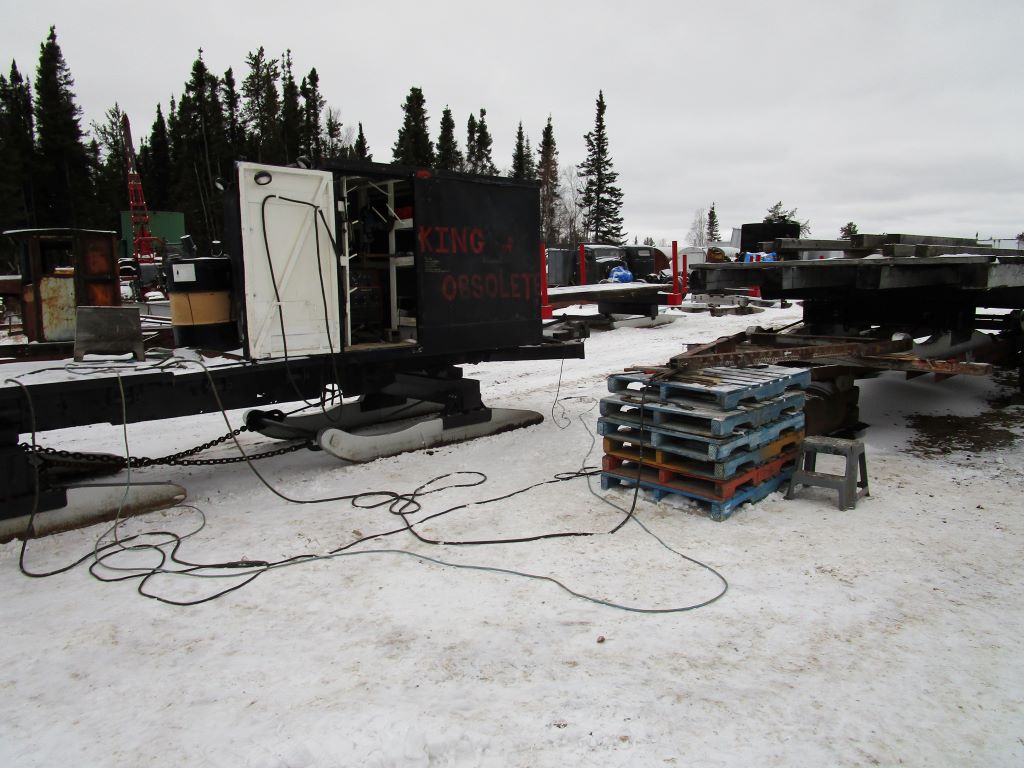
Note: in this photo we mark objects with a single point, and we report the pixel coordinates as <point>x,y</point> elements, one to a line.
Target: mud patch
<point>993,429</point>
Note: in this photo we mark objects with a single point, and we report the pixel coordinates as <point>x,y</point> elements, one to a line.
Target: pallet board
<point>710,488</point>
<point>698,416</point>
<point>726,387</point>
<point>702,447</point>
<point>717,510</point>
<point>632,447</point>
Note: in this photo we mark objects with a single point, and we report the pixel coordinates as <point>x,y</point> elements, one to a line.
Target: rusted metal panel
<point>946,367</point>
<point>757,355</point>
<point>57,307</point>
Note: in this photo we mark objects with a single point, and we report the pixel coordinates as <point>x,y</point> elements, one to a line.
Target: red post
<point>676,297</point>
<point>545,306</point>
<point>583,265</point>
<point>686,275</point>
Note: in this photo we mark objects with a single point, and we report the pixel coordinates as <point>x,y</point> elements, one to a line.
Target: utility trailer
<point>361,281</point>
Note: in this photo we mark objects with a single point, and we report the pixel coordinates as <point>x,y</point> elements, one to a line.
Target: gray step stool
<point>849,486</point>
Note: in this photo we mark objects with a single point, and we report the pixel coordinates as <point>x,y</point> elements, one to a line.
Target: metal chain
<point>180,459</point>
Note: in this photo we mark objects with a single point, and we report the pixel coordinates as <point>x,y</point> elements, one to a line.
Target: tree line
<point>56,173</point>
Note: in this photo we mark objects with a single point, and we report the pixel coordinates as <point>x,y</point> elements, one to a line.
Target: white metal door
<point>291,270</point>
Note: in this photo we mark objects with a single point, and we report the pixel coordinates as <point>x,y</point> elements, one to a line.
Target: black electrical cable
<point>402,505</point>
<point>277,298</point>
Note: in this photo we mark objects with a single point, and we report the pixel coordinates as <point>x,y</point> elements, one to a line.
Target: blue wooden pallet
<point>722,470</point>
<point>702,447</point>
<point>696,416</point>
<point>728,387</point>
<point>717,510</point>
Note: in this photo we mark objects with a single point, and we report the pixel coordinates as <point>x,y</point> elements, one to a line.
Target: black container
<point>752,235</point>
<point>199,290</point>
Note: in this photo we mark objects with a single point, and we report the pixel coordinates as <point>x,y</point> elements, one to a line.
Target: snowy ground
<point>891,634</point>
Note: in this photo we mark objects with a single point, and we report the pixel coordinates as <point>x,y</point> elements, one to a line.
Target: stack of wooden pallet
<point>721,436</point>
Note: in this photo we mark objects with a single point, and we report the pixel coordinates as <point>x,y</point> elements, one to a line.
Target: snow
<point>889,634</point>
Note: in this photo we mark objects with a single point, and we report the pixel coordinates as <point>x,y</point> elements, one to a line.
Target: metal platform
<point>999,279</point>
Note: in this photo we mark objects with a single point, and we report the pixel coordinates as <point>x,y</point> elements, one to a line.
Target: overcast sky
<point>901,116</point>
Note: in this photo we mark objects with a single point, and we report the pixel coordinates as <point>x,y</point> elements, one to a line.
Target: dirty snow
<point>889,634</point>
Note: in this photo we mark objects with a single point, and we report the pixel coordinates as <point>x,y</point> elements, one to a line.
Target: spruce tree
<point>312,137</point>
<point>17,151</point>
<point>332,134</point>
<point>234,131</point>
<point>64,190</point>
<point>523,165</point>
<point>155,165</point>
<point>601,198</point>
<point>291,117</point>
<point>778,214</point>
<point>361,148</point>
<point>449,158</point>
<point>469,166</point>
<point>199,153</point>
<point>413,146</point>
<point>261,109</point>
<point>547,173</point>
<point>483,161</point>
<point>110,160</point>
<point>713,235</point>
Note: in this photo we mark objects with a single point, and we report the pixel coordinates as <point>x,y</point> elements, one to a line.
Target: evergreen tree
<point>332,134</point>
<point>261,108</point>
<point>778,214</point>
<point>469,164</point>
<point>449,158</point>
<point>64,189</point>
<point>291,116</point>
<point>713,235</point>
<point>234,131</point>
<point>413,146</point>
<point>155,164</point>
<point>547,173</point>
<point>522,160</point>
<point>199,150</point>
<point>17,151</point>
<point>482,161</point>
<point>110,160</point>
<point>649,241</point>
<point>602,199</point>
<point>847,231</point>
<point>312,137</point>
<point>361,149</point>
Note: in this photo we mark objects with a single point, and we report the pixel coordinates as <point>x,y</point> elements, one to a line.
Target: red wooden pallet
<point>625,460</point>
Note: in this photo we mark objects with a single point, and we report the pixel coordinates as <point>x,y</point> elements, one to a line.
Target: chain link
<point>180,459</point>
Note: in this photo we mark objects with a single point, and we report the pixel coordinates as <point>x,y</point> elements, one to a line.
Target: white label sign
<point>184,273</point>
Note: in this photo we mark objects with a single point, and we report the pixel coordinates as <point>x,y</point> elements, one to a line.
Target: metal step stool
<point>849,487</point>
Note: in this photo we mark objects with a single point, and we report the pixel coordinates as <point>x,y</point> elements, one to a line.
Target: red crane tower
<point>143,242</point>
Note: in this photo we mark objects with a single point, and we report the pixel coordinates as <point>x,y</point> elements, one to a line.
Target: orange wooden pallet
<point>672,476</point>
<point>622,446</point>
